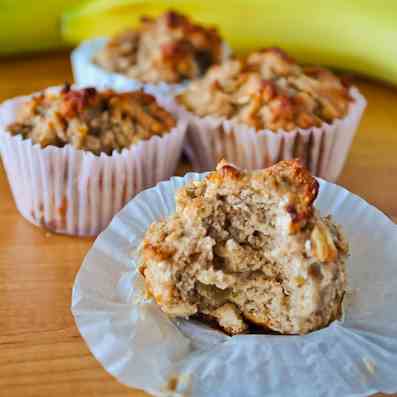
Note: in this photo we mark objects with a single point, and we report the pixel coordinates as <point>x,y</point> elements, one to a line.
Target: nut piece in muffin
<point>91,120</point>
<point>248,248</point>
<point>268,90</point>
<point>168,49</point>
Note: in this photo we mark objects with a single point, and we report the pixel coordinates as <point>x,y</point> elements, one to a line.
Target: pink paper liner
<point>322,149</point>
<point>75,192</point>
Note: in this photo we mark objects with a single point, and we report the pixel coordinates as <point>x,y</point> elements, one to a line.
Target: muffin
<point>74,157</point>
<point>160,54</point>
<point>265,108</point>
<point>248,248</point>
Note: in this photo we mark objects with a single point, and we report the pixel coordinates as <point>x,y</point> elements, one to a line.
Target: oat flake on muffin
<point>268,90</point>
<point>168,49</point>
<point>248,247</point>
<point>91,120</point>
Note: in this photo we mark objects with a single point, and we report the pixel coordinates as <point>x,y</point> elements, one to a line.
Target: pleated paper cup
<point>143,348</point>
<point>87,73</point>
<point>73,191</point>
<point>322,149</point>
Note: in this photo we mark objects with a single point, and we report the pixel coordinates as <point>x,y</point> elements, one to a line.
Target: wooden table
<point>41,351</point>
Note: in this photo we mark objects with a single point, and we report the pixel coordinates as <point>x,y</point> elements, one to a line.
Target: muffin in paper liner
<point>323,149</point>
<point>139,345</point>
<point>76,192</point>
<point>87,73</point>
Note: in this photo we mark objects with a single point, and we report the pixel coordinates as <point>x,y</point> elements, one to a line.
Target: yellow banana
<point>28,25</point>
<point>355,35</point>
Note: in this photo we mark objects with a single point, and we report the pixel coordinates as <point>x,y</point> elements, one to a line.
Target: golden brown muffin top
<point>268,90</point>
<point>170,49</point>
<point>289,178</point>
<point>96,121</point>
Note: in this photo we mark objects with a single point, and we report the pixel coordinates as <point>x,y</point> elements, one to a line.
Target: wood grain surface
<point>41,351</point>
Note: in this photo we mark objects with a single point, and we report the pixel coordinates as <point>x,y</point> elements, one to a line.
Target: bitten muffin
<point>169,49</point>
<point>248,248</point>
<point>268,90</point>
<point>87,119</point>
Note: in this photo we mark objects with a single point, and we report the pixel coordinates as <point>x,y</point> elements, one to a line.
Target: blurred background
<point>356,37</point>
<point>352,35</point>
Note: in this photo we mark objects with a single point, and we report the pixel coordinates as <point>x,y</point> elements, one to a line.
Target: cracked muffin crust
<point>96,121</point>
<point>248,247</point>
<point>268,90</point>
<point>168,49</point>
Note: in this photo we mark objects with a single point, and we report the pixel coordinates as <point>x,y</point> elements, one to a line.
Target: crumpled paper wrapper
<point>322,149</point>
<point>75,192</point>
<point>87,73</point>
<point>143,348</point>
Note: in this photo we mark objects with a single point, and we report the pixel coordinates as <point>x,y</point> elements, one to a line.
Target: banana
<point>358,36</point>
<point>28,25</point>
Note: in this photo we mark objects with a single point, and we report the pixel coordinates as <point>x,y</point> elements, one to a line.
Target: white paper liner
<point>142,348</point>
<point>86,73</point>
<point>322,149</point>
<point>73,191</point>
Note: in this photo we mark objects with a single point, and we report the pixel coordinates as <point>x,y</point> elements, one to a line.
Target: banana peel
<point>358,36</point>
<point>28,25</point>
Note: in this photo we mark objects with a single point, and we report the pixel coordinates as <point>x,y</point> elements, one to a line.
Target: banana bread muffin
<point>268,90</point>
<point>75,157</point>
<point>248,248</point>
<point>99,122</point>
<point>168,49</point>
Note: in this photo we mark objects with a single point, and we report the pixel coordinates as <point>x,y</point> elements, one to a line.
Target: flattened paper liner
<point>86,73</point>
<point>142,348</point>
<point>73,191</point>
<point>322,149</point>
